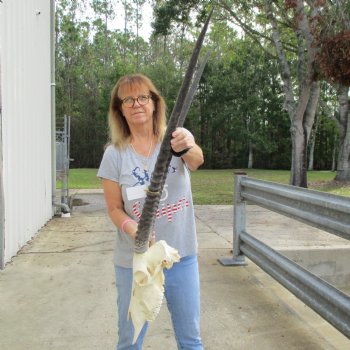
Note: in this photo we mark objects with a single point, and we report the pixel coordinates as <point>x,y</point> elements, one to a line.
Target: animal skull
<point>148,283</point>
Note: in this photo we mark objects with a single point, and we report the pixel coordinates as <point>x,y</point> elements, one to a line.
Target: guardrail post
<point>239,225</point>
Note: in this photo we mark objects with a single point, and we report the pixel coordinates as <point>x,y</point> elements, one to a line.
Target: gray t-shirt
<point>175,221</point>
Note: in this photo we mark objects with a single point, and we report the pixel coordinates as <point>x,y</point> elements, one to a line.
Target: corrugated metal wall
<point>2,212</point>
<point>26,119</point>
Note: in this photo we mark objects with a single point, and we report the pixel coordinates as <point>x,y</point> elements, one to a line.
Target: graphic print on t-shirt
<point>141,178</point>
<point>166,209</point>
<point>138,191</point>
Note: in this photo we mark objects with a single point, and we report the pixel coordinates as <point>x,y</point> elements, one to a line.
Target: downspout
<point>65,208</point>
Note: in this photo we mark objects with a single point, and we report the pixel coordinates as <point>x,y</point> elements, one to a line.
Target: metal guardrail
<point>328,212</point>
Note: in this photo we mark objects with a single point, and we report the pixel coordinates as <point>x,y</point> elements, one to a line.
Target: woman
<point>137,126</point>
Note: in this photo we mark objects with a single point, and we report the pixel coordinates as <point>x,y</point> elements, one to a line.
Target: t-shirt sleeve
<point>109,167</point>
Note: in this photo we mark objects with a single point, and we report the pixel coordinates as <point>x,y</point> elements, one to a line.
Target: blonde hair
<point>118,126</point>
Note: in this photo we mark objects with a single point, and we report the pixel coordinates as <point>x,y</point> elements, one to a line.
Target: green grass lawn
<point>216,186</point>
<point>84,178</point>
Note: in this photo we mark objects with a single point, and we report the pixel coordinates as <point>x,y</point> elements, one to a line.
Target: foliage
<point>168,12</point>
<point>239,105</point>
<point>241,91</point>
<point>334,58</point>
<point>332,35</point>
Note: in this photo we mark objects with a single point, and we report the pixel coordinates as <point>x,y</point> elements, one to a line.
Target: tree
<point>238,111</point>
<point>343,166</point>
<point>288,28</point>
<point>138,16</point>
<point>71,38</point>
<point>322,146</point>
<point>334,61</point>
<point>103,11</point>
<point>84,66</point>
<point>301,108</point>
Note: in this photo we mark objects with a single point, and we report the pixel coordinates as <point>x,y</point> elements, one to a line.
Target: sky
<point>118,23</point>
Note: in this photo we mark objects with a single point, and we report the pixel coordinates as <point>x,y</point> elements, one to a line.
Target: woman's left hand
<point>182,139</point>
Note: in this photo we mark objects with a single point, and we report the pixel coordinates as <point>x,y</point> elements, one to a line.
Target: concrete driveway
<point>58,293</point>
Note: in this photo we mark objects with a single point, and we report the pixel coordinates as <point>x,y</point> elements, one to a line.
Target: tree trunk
<point>343,166</point>
<point>309,118</point>
<point>125,28</point>
<point>311,94</point>
<point>301,125</point>
<point>334,153</point>
<point>310,112</point>
<point>250,157</point>
<point>312,145</point>
<point>181,49</point>
<point>298,174</point>
<point>311,152</point>
<point>138,10</point>
<point>302,108</point>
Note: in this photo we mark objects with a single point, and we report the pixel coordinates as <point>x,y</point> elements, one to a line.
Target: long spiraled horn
<point>160,170</point>
<point>197,77</point>
<point>187,103</point>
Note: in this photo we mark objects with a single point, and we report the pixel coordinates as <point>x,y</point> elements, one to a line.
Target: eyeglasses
<point>130,101</point>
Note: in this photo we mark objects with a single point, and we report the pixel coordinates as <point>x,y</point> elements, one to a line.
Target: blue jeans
<point>182,294</point>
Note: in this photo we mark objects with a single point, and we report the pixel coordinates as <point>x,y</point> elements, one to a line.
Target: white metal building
<point>27,171</point>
